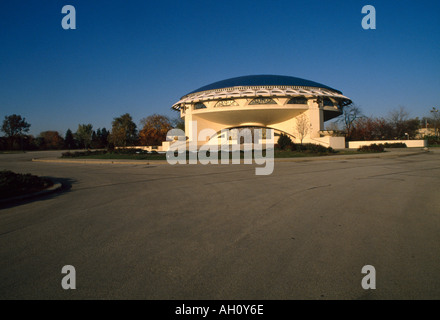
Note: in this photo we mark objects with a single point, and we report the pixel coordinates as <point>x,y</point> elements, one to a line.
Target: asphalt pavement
<point>155,231</point>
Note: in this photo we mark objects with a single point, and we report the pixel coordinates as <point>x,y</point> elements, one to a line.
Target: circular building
<point>289,105</point>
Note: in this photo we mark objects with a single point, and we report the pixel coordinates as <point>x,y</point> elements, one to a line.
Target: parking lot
<point>137,231</point>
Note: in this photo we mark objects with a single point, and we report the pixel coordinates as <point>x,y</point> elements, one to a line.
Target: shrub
<point>81,153</point>
<point>432,140</point>
<point>395,145</point>
<point>284,142</point>
<point>14,184</point>
<point>129,151</point>
<point>372,148</point>
<point>314,148</point>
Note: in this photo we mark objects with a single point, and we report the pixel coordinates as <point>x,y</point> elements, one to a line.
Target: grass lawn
<point>162,156</point>
<point>299,154</point>
<point>116,156</point>
<point>296,154</point>
<point>14,184</point>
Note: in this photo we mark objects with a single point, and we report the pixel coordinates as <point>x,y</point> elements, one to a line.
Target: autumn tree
<point>84,135</point>
<point>384,129</point>
<point>14,127</point>
<point>124,131</point>
<point>372,129</point>
<point>51,140</point>
<point>154,130</point>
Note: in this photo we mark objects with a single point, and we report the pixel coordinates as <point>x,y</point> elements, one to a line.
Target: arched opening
<point>238,136</point>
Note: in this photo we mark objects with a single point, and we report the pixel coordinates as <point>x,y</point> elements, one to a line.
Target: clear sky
<point>141,56</point>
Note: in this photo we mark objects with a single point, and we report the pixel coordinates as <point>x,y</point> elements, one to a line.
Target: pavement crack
<point>318,187</point>
<point>285,198</point>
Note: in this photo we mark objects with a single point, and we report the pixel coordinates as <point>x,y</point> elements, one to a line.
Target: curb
<point>304,159</point>
<point>99,161</point>
<point>349,157</point>
<point>56,186</point>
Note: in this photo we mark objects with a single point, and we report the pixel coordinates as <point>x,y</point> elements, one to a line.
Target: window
<point>262,101</point>
<point>298,100</point>
<point>328,103</point>
<point>199,105</point>
<point>226,103</point>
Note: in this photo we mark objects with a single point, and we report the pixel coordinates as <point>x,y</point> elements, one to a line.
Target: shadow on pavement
<point>66,185</point>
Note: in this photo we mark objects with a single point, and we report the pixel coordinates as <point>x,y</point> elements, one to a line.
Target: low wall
<point>164,147</point>
<point>144,148</point>
<point>409,143</point>
<point>328,141</point>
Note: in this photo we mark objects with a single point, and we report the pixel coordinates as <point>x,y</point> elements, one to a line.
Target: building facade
<point>292,106</point>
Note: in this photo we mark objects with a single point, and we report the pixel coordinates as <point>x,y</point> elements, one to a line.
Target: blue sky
<point>141,56</point>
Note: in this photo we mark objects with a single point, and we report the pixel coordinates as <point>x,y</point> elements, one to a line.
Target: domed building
<point>289,105</point>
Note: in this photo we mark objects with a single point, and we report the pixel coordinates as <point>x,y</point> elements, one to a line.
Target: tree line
<point>124,132</point>
<point>355,126</point>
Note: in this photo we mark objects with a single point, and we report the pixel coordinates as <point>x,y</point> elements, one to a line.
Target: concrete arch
<point>218,133</point>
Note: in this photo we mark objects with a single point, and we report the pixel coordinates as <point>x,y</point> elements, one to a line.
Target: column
<point>316,116</point>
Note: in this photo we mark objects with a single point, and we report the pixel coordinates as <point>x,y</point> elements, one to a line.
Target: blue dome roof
<point>262,80</point>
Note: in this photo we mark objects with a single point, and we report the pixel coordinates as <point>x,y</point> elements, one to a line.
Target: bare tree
<point>435,119</point>
<point>332,126</point>
<point>178,123</point>
<point>398,115</point>
<point>398,119</point>
<point>302,126</point>
<point>350,114</point>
